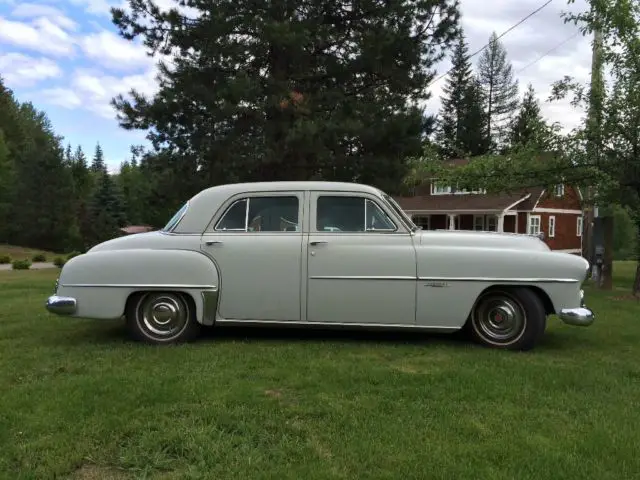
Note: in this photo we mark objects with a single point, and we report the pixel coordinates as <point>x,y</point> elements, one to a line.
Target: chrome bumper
<point>61,305</point>
<point>580,316</point>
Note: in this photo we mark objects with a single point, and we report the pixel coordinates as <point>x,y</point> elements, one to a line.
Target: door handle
<point>213,242</point>
<point>318,243</point>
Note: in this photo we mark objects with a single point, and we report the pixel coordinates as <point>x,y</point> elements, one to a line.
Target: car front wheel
<point>161,318</point>
<point>508,318</point>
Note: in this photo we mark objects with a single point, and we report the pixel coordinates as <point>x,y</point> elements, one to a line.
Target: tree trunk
<point>636,281</point>
<point>606,282</point>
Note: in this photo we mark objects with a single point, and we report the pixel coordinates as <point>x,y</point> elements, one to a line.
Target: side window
<point>350,214</point>
<point>261,214</point>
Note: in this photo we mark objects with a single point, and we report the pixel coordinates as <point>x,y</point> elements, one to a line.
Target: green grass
<point>80,400</point>
<point>23,253</point>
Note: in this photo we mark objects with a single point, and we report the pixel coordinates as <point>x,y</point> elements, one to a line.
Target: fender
<point>101,281</point>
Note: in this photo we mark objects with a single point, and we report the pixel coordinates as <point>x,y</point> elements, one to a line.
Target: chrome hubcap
<point>499,318</point>
<point>163,315</point>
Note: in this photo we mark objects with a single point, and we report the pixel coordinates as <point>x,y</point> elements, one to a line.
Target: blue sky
<point>67,58</point>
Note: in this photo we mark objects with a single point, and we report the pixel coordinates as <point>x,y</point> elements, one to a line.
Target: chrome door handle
<point>213,242</point>
<point>318,243</point>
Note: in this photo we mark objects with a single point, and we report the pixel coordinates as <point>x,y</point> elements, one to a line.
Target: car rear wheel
<point>508,318</point>
<point>162,317</point>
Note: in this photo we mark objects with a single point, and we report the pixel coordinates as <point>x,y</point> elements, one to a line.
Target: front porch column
<point>500,227</point>
<point>452,221</point>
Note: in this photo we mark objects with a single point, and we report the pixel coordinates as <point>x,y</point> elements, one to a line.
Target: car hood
<point>492,240</point>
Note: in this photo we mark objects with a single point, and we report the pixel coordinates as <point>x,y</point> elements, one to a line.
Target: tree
<point>529,126</point>
<point>106,210</point>
<point>461,122</point>
<point>97,164</point>
<point>604,153</point>
<point>289,90</point>
<point>500,91</point>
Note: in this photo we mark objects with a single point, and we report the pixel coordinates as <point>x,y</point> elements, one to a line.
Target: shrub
<point>72,254</point>
<point>21,264</point>
<point>59,262</point>
<point>40,257</point>
<point>4,259</point>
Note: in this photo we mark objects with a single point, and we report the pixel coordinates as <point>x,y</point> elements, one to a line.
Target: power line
<point>549,51</point>
<point>499,37</point>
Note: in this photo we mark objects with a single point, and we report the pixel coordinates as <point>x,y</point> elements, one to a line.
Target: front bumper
<point>580,316</point>
<point>61,305</point>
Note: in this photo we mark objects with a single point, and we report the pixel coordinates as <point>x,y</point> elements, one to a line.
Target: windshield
<point>394,205</point>
<point>176,218</point>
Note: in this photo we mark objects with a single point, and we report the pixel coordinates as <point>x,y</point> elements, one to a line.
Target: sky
<point>67,58</point>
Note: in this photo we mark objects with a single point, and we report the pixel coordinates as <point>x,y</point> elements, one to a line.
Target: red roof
<point>131,229</point>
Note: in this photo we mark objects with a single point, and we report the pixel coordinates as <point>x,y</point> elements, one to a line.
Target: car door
<point>256,244</point>
<point>361,263</point>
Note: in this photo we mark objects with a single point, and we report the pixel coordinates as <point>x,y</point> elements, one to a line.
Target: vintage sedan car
<point>321,254</point>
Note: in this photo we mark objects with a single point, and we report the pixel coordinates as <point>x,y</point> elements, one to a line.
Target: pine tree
<point>106,210</point>
<point>476,141</point>
<point>529,126</point>
<point>500,92</point>
<point>97,164</point>
<point>304,91</point>
<point>454,102</point>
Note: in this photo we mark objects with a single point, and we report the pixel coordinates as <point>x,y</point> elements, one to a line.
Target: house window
<point>534,225</point>
<point>560,190</point>
<point>423,221</point>
<point>439,189</point>
<point>579,226</point>
<point>552,226</point>
<point>492,223</point>
<point>478,222</point>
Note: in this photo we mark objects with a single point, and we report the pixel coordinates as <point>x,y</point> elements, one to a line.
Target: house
<point>557,214</point>
<point>133,229</point>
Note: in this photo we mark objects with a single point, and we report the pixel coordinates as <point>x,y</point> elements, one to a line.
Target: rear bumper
<point>580,316</point>
<point>61,305</point>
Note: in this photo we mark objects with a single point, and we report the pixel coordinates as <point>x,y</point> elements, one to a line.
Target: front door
<point>361,265</point>
<point>256,245</point>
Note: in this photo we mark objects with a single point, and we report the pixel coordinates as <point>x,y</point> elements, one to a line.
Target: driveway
<point>34,266</point>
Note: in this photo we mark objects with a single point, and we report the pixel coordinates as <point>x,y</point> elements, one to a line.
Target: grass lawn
<point>79,400</point>
<point>22,253</point>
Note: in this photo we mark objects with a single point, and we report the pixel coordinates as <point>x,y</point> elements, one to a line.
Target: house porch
<point>479,221</point>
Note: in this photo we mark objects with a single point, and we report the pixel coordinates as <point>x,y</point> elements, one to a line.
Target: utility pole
<point>594,249</point>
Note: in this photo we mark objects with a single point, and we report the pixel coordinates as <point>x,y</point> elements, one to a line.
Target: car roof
<point>203,204</point>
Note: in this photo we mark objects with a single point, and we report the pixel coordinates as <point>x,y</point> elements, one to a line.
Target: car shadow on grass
<point>109,333</point>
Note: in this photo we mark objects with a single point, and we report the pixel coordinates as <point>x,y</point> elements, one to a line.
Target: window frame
<point>552,226</point>
<point>247,196</point>
<point>559,190</point>
<point>313,211</point>
<point>579,225</point>
<point>422,217</point>
<point>530,224</point>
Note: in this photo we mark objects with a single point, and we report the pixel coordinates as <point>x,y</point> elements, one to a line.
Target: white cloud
<point>33,10</point>
<point>41,35</point>
<point>95,7</point>
<point>93,91</point>
<point>112,51</point>
<point>26,71</point>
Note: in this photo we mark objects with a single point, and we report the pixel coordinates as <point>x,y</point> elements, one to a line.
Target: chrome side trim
<point>443,280</point>
<point>138,285</point>
<point>363,277</point>
<point>275,323</point>
<point>582,317</point>
<point>209,306</point>
<point>61,305</point>
<point>496,279</point>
